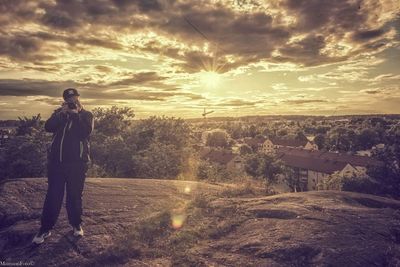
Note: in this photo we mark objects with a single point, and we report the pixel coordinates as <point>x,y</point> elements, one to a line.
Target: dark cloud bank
<point>247,37</point>
<point>242,36</point>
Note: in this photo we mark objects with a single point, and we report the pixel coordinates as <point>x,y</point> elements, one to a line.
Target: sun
<point>210,79</point>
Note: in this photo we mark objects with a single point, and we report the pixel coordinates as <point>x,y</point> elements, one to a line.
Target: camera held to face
<point>72,105</point>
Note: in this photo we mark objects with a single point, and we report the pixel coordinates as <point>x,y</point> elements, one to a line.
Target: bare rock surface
<point>110,206</point>
<point>324,228</point>
<point>321,228</point>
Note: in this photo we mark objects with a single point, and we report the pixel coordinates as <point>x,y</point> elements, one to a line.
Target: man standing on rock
<point>67,163</point>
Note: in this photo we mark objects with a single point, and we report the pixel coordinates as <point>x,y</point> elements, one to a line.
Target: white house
<point>268,146</point>
<point>271,144</point>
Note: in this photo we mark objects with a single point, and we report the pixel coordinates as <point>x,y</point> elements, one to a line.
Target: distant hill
<point>264,118</point>
<point>128,222</point>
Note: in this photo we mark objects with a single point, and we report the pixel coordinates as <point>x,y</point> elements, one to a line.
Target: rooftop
<point>322,161</point>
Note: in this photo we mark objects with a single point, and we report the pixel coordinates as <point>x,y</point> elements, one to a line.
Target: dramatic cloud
<point>140,78</point>
<point>48,89</point>
<point>28,87</point>
<point>303,32</point>
<point>21,47</point>
<point>155,50</point>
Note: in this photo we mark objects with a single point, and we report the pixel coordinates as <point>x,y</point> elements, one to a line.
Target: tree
<point>237,132</point>
<point>322,129</point>
<point>245,149</point>
<point>212,172</point>
<point>352,137</point>
<point>388,174</point>
<point>159,161</point>
<point>166,130</point>
<point>268,132</point>
<point>217,138</point>
<point>282,132</point>
<point>301,137</point>
<point>354,182</point>
<point>233,129</point>
<point>319,140</point>
<point>252,131</point>
<point>28,126</point>
<point>112,121</point>
<point>290,178</point>
<point>161,147</point>
<point>24,156</point>
<point>367,138</point>
<point>114,156</point>
<point>338,139</point>
<point>262,165</point>
<point>110,150</point>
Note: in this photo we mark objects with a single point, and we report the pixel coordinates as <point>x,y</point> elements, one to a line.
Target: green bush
<point>24,156</point>
<point>213,172</point>
<point>360,183</point>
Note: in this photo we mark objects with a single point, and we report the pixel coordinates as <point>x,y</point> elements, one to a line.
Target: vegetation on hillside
<point>168,147</point>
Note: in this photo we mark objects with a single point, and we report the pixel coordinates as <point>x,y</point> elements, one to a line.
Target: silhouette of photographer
<point>68,157</point>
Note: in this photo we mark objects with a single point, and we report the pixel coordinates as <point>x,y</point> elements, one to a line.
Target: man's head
<point>71,98</point>
<point>71,94</point>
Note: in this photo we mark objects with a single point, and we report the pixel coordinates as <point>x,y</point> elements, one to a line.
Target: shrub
<point>352,182</point>
<point>24,156</point>
<point>96,171</point>
<point>217,138</point>
<point>212,172</point>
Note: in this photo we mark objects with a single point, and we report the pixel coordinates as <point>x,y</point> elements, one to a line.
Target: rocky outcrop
<point>324,228</point>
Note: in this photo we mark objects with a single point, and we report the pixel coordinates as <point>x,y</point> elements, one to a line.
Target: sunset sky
<point>175,58</point>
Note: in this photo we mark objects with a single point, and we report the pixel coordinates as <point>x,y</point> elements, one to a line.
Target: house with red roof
<point>312,167</point>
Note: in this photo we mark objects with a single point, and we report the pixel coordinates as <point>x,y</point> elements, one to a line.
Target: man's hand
<point>64,108</point>
<point>78,107</point>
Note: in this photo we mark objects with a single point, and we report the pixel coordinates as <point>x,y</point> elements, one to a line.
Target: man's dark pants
<point>61,176</point>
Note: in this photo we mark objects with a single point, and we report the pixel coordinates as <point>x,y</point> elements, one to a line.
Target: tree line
<point>157,147</point>
<point>165,148</point>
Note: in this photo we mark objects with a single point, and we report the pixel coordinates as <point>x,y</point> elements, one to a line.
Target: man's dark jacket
<point>71,136</point>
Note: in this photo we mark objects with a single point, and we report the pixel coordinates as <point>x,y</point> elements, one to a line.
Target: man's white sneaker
<point>40,236</point>
<point>78,231</point>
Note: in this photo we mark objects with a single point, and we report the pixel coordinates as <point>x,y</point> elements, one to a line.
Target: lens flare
<point>187,189</point>
<point>178,220</point>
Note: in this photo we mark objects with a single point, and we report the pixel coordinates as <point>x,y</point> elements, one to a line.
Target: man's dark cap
<point>70,92</point>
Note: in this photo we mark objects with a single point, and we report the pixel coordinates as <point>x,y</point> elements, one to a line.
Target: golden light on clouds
<point>175,57</point>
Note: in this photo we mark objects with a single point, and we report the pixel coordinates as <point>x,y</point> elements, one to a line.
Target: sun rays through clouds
<point>175,57</point>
